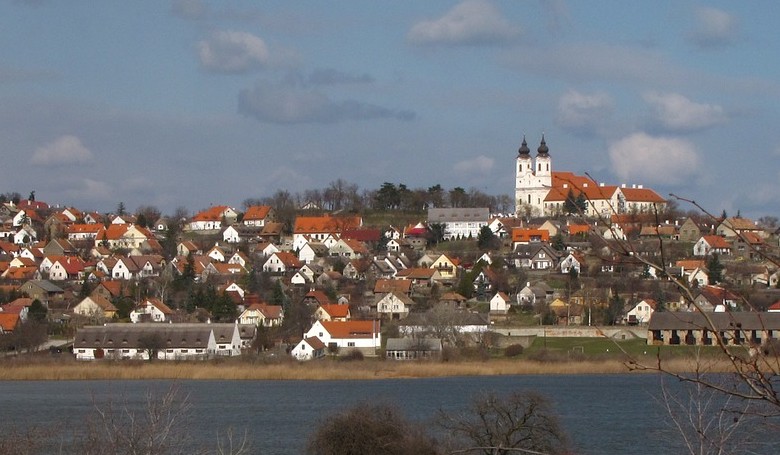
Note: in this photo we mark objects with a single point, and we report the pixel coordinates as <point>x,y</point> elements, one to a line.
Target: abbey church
<point>540,191</point>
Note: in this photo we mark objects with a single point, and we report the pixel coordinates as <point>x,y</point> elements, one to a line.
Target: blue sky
<point>193,103</point>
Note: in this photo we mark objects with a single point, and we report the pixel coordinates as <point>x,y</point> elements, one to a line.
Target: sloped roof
<point>351,329</point>
<point>257,212</point>
<point>9,321</point>
<point>385,285</point>
<point>526,234</point>
<point>335,310</point>
<point>641,195</point>
<point>326,224</point>
<point>716,241</point>
<point>684,320</point>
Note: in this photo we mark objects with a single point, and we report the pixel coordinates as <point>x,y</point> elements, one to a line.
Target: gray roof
<point>678,320</point>
<point>129,336</point>
<point>413,344</point>
<point>449,215</point>
<point>46,285</point>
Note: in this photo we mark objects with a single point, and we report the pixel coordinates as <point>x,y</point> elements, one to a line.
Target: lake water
<point>603,414</point>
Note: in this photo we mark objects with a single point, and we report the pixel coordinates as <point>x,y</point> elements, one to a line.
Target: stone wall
<point>615,332</point>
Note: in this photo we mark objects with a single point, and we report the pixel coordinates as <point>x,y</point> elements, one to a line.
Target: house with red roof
<point>151,310</point>
<point>282,262</point>
<point>342,337</point>
<point>309,348</point>
<point>262,314</point>
<point>257,215</point>
<point>321,227</point>
<point>212,218</point>
<point>711,244</point>
<point>332,312</point>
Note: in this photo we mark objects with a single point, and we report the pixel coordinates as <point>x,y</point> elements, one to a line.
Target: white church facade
<point>540,191</point>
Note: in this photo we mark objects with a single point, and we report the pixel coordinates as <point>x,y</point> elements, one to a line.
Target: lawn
<point>604,347</point>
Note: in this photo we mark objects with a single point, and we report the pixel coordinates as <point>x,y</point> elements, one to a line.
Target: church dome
<point>524,150</point>
<point>543,150</point>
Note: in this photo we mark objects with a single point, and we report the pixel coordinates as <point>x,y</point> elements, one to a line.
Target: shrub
<point>369,428</point>
<point>513,350</point>
<point>352,355</point>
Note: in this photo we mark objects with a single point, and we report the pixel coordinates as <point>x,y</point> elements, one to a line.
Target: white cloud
<point>714,28</point>
<point>676,112</point>
<point>232,52</point>
<point>478,165</point>
<point>661,160</point>
<point>583,112</point>
<point>471,22</point>
<point>64,150</point>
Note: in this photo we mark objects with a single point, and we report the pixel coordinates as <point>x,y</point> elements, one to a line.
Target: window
<point>351,344</point>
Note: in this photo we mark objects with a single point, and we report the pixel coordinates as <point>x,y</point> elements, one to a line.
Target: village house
<point>96,306</point>
<point>213,218</point>
<point>341,337</point>
<point>711,244</point>
<point>394,306</point>
<point>460,223</point>
<point>162,341</point>
<point>262,315</point>
<point>151,310</point>
<point>257,215</point>
<point>332,312</point>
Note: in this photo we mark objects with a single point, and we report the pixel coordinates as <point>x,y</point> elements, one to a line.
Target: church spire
<point>524,150</point>
<point>543,150</point>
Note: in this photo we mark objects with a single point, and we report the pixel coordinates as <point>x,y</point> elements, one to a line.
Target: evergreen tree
<point>486,240</point>
<point>37,311</point>
<point>715,269</point>
<point>570,204</point>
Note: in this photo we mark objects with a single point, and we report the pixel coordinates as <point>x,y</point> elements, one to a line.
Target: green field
<point>606,348</point>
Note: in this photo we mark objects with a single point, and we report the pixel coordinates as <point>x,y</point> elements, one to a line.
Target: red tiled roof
<point>9,321</point>
<point>526,234</point>
<point>335,310</point>
<point>325,224</point>
<point>351,329</point>
<point>257,212</point>
<point>716,241</point>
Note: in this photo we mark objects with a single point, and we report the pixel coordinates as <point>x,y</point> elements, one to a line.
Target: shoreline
<point>325,369</point>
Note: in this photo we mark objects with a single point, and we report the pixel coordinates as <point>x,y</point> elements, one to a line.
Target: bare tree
<point>494,425</point>
<point>378,429</point>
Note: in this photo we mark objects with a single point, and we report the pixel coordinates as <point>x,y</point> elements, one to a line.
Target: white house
<point>459,223</point>
<point>345,336</point>
<point>151,310</point>
<point>394,305</point>
<point>231,235</point>
<point>500,303</point>
<point>641,312</point>
<point>308,349</point>
<point>169,341</point>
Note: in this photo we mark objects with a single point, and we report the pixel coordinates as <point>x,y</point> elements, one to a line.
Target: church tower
<point>533,179</point>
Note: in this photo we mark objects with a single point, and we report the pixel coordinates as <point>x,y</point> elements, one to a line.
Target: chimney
<point>622,185</point>
<point>584,185</point>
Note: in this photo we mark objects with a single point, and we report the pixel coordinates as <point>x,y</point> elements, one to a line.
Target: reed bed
<point>325,369</point>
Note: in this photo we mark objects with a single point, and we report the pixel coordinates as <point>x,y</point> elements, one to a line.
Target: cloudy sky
<point>193,103</point>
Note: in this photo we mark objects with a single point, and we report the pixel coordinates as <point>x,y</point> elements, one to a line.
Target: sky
<point>195,103</point>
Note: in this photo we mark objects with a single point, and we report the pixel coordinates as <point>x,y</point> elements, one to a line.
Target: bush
<point>513,350</point>
<point>369,428</point>
<point>352,355</point>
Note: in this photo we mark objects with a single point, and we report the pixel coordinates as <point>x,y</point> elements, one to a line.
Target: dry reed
<point>325,369</point>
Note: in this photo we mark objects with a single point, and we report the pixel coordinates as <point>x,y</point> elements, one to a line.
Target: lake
<point>603,414</point>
